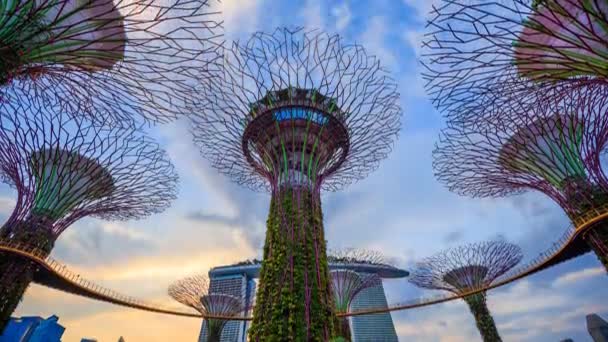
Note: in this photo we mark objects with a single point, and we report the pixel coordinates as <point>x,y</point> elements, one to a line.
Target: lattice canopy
<point>296,107</point>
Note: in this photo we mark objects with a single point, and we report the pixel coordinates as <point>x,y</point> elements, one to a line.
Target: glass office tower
<point>33,329</point>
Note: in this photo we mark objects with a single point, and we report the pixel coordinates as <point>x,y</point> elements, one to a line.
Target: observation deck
<point>295,136</point>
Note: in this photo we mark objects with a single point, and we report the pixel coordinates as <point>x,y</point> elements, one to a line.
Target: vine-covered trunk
<point>597,238</point>
<point>16,273</point>
<point>342,329</point>
<point>483,318</point>
<point>215,331</point>
<point>294,300</point>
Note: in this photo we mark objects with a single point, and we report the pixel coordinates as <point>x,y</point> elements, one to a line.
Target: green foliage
<point>597,239</point>
<point>16,273</point>
<point>215,330</point>
<point>483,318</point>
<point>342,329</point>
<point>583,197</point>
<point>294,271</point>
<point>339,339</point>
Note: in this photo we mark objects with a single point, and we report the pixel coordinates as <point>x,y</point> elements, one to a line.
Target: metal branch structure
<point>472,45</point>
<point>64,168</point>
<point>294,112</point>
<point>553,144</point>
<point>130,60</point>
<point>466,268</point>
<point>194,292</point>
<point>346,285</point>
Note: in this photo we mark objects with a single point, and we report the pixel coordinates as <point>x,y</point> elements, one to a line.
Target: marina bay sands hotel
<point>239,281</point>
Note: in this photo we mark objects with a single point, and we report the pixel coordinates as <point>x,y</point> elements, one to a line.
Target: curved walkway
<point>56,275</point>
<point>570,245</point>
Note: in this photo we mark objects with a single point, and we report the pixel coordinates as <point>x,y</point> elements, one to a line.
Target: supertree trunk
<point>342,329</point>
<point>483,318</point>
<point>215,331</point>
<point>16,273</point>
<point>294,300</point>
<point>597,239</point>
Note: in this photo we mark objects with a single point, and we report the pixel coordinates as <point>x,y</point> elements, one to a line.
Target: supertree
<point>130,60</point>
<point>294,112</point>
<point>346,285</point>
<point>469,46</point>
<point>194,292</point>
<point>64,168</point>
<point>553,145</point>
<point>469,268</point>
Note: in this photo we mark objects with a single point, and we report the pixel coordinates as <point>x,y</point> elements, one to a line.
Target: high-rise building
<point>376,327</point>
<point>33,329</point>
<point>597,327</point>
<point>239,280</point>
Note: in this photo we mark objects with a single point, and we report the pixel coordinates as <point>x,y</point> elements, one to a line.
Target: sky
<point>400,210</point>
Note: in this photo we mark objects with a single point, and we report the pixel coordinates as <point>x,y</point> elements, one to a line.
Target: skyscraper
<point>239,280</point>
<point>33,329</point>
<point>376,327</point>
<point>597,327</point>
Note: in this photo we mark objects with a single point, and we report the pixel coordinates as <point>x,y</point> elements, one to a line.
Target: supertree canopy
<point>64,168</point>
<point>469,268</point>
<point>554,146</point>
<point>294,112</point>
<point>194,292</point>
<point>128,59</point>
<point>471,45</point>
<point>346,285</point>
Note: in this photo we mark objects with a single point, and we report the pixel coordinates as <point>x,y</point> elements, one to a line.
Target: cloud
<point>374,38</point>
<point>574,277</point>
<point>524,311</point>
<point>7,205</point>
<point>312,14</point>
<point>342,15</point>
<point>214,218</point>
<point>92,242</point>
<point>523,298</point>
<point>453,237</point>
<point>240,16</point>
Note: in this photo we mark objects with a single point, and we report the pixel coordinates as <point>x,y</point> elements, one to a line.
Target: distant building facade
<point>33,329</point>
<point>376,327</point>
<point>597,328</point>
<point>239,281</point>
